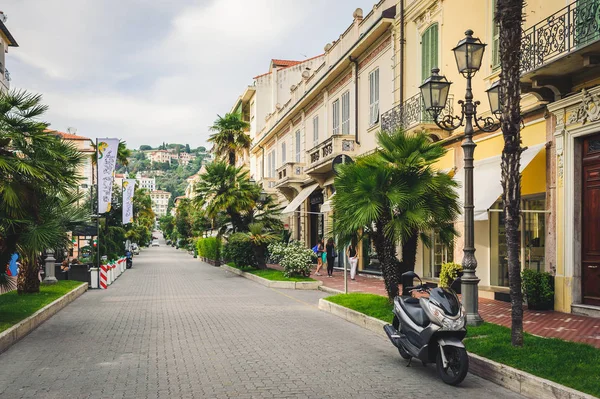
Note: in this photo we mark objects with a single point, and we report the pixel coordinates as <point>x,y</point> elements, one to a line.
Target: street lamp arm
<point>449,122</point>
<point>486,124</point>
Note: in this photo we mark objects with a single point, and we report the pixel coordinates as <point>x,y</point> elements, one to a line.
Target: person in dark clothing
<point>330,249</point>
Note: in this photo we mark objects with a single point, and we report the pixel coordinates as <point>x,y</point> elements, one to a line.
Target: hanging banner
<point>106,155</point>
<point>128,191</point>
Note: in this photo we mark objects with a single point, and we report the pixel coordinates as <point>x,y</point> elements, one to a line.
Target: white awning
<point>326,207</point>
<point>487,186</point>
<point>302,195</point>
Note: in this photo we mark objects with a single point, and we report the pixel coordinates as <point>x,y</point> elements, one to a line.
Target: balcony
<point>562,45</point>
<point>411,114</point>
<point>320,157</point>
<point>268,184</point>
<point>289,179</point>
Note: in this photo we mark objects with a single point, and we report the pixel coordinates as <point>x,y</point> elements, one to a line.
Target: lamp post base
<point>470,294</point>
<point>50,280</point>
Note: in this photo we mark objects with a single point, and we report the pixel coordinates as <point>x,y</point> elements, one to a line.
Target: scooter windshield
<point>446,300</point>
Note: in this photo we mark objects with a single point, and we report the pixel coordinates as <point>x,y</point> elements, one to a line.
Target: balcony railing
<point>327,150</point>
<point>411,113</point>
<point>290,170</point>
<point>567,30</point>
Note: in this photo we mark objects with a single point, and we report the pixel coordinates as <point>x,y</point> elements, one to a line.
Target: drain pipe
<point>402,39</point>
<point>355,62</point>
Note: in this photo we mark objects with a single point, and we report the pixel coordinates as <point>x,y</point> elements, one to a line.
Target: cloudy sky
<point>149,71</point>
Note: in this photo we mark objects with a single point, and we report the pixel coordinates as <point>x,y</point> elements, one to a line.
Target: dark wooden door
<point>590,257</point>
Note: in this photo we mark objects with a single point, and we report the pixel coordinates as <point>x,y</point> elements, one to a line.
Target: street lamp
<point>468,53</point>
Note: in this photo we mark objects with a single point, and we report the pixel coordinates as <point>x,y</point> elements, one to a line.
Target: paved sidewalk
<point>544,323</point>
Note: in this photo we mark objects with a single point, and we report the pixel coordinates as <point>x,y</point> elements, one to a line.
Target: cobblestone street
<point>174,327</point>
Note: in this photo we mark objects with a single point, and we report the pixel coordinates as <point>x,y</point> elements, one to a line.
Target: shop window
<point>532,230</point>
<point>436,255</point>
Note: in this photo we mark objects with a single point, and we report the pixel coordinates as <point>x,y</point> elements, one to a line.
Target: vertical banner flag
<point>128,190</point>
<point>106,156</point>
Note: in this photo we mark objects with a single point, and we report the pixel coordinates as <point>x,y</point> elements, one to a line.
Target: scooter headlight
<point>447,323</point>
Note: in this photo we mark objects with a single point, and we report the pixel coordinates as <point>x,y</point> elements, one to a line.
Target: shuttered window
<point>495,39</point>
<point>374,97</point>
<point>429,51</point>
<point>346,113</point>
<point>298,145</point>
<point>283,153</point>
<point>335,115</point>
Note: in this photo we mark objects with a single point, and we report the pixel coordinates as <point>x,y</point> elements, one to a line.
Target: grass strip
<point>572,364</point>
<point>270,274</point>
<point>14,307</point>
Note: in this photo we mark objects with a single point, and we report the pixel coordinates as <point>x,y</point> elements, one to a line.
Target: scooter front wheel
<point>458,365</point>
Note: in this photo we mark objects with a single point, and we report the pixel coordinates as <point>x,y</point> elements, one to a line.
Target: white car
<point>155,243</point>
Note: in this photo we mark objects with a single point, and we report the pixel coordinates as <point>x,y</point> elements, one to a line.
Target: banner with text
<point>128,191</point>
<point>106,155</point>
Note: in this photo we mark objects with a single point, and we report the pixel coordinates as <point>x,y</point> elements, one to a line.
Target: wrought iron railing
<point>7,75</point>
<point>567,30</point>
<point>411,113</point>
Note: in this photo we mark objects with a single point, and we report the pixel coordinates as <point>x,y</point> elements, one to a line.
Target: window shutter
<point>429,51</point>
<point>298,146</point>
<point>282,153</point>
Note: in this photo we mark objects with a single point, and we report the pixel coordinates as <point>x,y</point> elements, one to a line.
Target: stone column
<point>50,262</point>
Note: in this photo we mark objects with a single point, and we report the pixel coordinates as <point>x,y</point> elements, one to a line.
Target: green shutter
<point>429,51</point>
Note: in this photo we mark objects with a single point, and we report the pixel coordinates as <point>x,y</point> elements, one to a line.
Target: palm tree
<point>509,17</point>
<point>226,189</point>
<point>259,237</point>
<point>36,169</point>
<point>396,196</point>
<point>230,137</point>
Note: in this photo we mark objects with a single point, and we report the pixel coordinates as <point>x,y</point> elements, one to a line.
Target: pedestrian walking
<point>330,254</point>
<point>352,254</point>
<point>320,258</point>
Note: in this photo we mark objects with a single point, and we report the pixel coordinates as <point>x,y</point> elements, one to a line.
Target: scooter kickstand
<point>409,362</point>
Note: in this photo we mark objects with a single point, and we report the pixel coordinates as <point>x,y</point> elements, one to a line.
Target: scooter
<point>129,260</point>
<point>430,329</point>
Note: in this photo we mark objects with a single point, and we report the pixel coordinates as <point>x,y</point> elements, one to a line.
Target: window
<point>316,131</point>
<point>271,164</point>
<point>298,146</point>
<point>282,153</point>
<point>495,39</point>
<point>429,51</point>
<point>252,110</point>
<point>346,113</point>
<point>436,255</point>
<point>374,97</point>
<point>335,113</point>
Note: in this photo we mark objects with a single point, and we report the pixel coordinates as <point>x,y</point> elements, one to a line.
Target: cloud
<point>160,70</point>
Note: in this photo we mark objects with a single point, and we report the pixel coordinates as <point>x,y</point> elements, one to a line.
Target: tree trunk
<point>231,156</point>
<point>509,16</point>
<point>259,254</point>
<point>409,253</point>
<point>27,280</point>
<point>386,253</point>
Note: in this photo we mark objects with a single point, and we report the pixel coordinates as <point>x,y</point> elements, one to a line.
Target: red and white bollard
<point>104,277</point>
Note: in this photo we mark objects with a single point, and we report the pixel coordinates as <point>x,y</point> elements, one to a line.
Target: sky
<point>148,71</point>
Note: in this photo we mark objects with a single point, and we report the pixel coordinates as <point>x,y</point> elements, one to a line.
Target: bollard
<point>94,277</point>
<point>103,277</point>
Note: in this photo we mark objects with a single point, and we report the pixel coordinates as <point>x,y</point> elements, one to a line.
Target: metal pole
<point>470,281</point>
<point>97,209</point>
<point>345,275</point>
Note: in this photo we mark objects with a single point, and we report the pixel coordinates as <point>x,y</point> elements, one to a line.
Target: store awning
<point>302,195</point>
<point>487,186</point>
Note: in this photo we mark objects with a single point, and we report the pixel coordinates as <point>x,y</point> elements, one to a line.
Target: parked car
<point>135,249</point>
<point>155,243</point>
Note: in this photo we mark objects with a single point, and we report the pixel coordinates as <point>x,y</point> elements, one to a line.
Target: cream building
<point>84,145</point>
<point>160,202</point>
<point>148,183</point>
<point>6,41</point>
<point>161,156</point>
<point>368,79</point>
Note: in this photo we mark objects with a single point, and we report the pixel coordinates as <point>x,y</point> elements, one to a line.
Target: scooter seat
<point>413,309</point>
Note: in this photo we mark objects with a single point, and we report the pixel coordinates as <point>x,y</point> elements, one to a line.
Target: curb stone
<point>25,326</point>
<point>508,377</point>
<point>291,285</point>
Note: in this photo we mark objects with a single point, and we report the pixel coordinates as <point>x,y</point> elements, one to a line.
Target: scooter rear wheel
<point>458,365</point>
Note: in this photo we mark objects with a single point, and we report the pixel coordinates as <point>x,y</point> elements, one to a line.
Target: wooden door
<point>590,257</point>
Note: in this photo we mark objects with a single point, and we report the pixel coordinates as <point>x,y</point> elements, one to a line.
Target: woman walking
<point>330,253</point>
<point>320,258</point>
<point>353,258</point>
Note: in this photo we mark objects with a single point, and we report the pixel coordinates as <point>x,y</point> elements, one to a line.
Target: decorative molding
<point>376,51</point>
<point>587,111</point>
<point>314,105</point>
<point>297,120</point>
<point>341,82</point>
<point>428,17</point>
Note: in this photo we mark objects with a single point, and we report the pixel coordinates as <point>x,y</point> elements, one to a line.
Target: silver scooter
<point>430,329</point>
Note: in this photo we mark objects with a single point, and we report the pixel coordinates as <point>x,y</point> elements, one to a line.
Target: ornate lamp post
<point>468,54</point>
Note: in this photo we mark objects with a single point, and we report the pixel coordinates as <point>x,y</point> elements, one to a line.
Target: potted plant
<point>448,273</point>
<point>538,289</point>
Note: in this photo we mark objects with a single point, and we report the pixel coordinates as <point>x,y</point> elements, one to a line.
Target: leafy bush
<point>209,247</point>
<point>538,289</point>
<point>297,260</point>
<point>239,250</point>
<point>276,251</point>
<point>448,273</point>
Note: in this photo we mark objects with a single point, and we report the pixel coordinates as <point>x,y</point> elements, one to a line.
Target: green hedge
<point>209,247</point>
<point>239,250</point>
